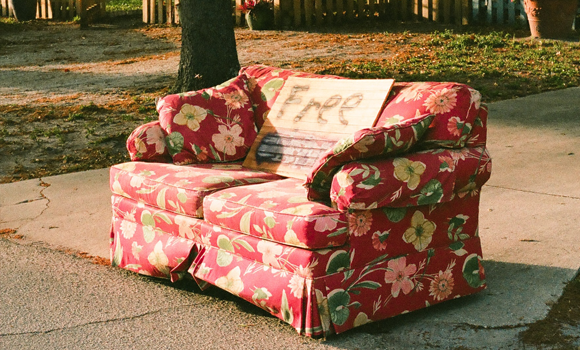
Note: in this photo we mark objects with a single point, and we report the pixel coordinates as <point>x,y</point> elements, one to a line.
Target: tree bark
<point>208,44</point>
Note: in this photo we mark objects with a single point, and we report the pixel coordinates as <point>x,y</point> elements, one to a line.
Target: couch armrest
<point>427,177</point>
<point>147,143</point>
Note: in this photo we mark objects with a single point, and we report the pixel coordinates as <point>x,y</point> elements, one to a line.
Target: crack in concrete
<point>533,192</point>
<point>112,320</point>
<point>495,328</point>
<point>45,185</point>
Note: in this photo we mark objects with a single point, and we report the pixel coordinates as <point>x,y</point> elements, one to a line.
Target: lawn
<point>124,5</point>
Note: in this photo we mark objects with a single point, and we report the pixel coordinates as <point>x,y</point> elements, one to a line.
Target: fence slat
<point>277,13</point>
<point>511,13</point>
<point>339,11</point>
<point>361,8</point>
<point>308,11</point>
<point>447,11</point>
<point>297,13</point>
<point>489,17</point>
<point>152,11</point>
<point>160,11</point>
<point>499,12</point>
<point>329,9</point>
<point>319,13</point>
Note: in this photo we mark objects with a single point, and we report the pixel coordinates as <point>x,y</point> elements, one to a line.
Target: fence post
<point>277,14</point>
<point>361,8</point>
<point>160,11</point>
<point>152,11</point>
<point>499,11</point>
<point>308,10</point>
<point>318,9</point>
<point>349,10</point>
<point>297,13</point>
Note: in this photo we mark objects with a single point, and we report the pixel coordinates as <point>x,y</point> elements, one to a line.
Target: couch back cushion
<point>209,125</point>
<point>265,84</point>
<point>366,143</point>
<point>147,143</point>
<point>456,108</point>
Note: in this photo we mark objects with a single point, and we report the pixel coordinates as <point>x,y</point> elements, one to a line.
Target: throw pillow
<point>209,125</point>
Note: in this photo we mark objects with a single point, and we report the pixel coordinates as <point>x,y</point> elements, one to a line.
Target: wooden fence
<point>299,13</point>
<point>58,9</point>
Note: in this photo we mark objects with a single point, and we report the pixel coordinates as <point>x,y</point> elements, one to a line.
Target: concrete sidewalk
<point>529,225</point>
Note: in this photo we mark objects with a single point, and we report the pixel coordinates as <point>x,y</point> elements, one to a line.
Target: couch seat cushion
<point>180,189</point>
<point>277,211</point>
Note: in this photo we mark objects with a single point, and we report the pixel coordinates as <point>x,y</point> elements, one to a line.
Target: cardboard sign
<point>309,117</point>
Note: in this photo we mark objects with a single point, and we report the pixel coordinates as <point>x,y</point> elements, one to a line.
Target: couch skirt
<point>319,292</point>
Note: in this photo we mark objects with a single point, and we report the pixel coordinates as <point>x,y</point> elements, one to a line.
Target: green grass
<point>124,5</point>
<point>496,64</point>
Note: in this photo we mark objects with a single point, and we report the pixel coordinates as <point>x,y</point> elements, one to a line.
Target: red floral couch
<point>387,222</point>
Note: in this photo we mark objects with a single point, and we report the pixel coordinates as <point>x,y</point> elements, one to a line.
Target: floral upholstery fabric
<point>427,177</point>
<point>278,212</point>
<point>180,189</point>
<point>455,106</point>
<point>136,245</point>
<point>350,297</point>
<point>215,124</point>
<point>389,235</point>
<point>147,143</point>
<point>365,143</point>
<point>265,84</point>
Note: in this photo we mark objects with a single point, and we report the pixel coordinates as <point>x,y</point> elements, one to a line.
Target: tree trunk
<point>208,44</point>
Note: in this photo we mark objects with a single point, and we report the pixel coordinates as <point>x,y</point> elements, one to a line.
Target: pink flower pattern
<point>312,264</point>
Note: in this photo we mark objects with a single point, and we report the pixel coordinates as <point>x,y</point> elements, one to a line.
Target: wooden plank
<point>447,11</point>
<point>489,17</point>
<point>457,12</point>
<point>175,12</point>
<point>350,10</point>
<point>371,9</point>
<point>160,9</point>
<point>425,9</point>
<point>152,12</point>
<point>361,8</point>
<point>436,10</point>
<point>297,13</point>
<point>465,12</point>
<point>511,13</point>
<point>169,12</point>
<point>71,8</point>
<point>475,10</point>
<point>319,12</point>
<point>329,11</point>
<point>339,11</point>
<point>277,14</point>
<point>415,6</point>
<point>309,116</point>
<point>500,11</point>
<point>4,7</point>
<point>145,11</point>
<point>308,11</point>
<point>404,10</point>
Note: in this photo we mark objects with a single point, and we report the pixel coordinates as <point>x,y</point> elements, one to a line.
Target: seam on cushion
<point>261,262</point>
<point>310,249</point>
<point>189,189</point>
<point>276,212</point>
